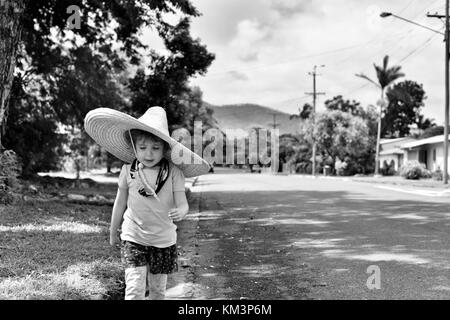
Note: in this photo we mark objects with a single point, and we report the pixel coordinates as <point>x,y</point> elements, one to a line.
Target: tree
<point>79,69</point>
<point>166,83</point>
<point>340,136</point>
<point>339,103</point>
<point>432,132</point>
<point>385,77</point>
<point>33,131</point>
<point>45,34</point>
<point>405,101</point>
<point>11,12</point>
<point>295,152</point>
<point>304,113</point>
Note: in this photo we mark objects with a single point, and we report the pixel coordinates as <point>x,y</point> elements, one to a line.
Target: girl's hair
<point>139,134</point>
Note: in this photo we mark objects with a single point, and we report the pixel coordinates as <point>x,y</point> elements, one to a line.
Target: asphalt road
<point>260,236</point>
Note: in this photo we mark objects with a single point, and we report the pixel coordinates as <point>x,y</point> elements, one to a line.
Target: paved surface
<point>260,236</point>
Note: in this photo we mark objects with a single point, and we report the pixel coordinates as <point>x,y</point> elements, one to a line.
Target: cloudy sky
<point>265,48</point>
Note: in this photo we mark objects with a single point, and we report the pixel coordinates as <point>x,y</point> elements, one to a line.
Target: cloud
<point>249,36</point>
<point>288,8</point>
<point>238,75</point>
<point>263,43</point>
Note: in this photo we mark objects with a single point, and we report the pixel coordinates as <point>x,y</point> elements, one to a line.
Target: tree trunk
<point>109,161</point>
<point>10,32</point>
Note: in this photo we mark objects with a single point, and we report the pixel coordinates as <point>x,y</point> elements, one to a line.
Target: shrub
<point>10,169</point>
<point>304,167</point>
<point>414,170</point>
<point>388,168</point>
<point>340,167</point>
<point>437,175</point>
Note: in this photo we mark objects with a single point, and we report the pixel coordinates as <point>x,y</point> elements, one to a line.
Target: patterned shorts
<point>159,260</point>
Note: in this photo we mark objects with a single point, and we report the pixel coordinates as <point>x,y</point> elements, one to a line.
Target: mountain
<point>247,116</point>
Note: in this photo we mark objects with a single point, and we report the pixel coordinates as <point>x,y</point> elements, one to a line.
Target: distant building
<point>429,151</point>
<point>391,152</point>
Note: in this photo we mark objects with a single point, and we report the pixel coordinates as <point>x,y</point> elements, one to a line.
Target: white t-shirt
<point>146,220</point>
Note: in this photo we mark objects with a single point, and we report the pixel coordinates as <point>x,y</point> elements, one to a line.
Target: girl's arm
<point>120,205</point>
<point>182,206</point>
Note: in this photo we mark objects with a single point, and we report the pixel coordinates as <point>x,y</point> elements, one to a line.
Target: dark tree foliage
<point>33,133</point>
<point>72,71</point>
<point>43,16</point>
<point>79,64</point>
<point>406,100</point>
<point>431,132</point>
<point>166,84</point>
<point>339,103</point>
<point>84,83</point>
<point>304,113</point>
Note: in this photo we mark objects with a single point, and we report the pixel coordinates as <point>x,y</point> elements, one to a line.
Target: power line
<point>314,55</point>
<point>418,49</point>
<point>407,6</point>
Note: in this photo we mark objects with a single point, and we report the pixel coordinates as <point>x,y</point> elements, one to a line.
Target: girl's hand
<point>114,239</point>
<point>177,214</point>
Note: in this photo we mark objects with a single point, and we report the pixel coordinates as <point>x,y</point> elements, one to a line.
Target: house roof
<point>422,142</point>
<point>383,141</point>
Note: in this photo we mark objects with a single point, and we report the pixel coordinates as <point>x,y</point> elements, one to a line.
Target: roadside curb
<point>322,177</point>
<point>423,191</point>
<point>427,193</point>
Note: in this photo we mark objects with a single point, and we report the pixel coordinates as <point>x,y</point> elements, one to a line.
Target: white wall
<point>413,155</point>
<point>439,156</point>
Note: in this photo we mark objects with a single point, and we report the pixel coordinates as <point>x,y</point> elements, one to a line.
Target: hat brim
<point>109,128</point>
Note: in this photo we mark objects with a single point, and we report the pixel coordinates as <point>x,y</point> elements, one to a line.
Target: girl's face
<point>148,151</point>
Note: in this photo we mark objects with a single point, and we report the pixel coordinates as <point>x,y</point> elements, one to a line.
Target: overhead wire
<point>412,52</point>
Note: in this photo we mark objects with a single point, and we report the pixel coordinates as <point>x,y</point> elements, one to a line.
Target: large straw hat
<point>109,128</point>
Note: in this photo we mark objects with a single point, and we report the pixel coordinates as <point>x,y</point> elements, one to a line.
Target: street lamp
<point>447,81</point>
<point>388,14</point>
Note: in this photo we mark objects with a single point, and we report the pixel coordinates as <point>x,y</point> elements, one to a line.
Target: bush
<point>414,170</point>
<point>340,167</point>
<point>437,175</point>
<point>10,169</point>
<point>388,169</point>
<point>303,167</point>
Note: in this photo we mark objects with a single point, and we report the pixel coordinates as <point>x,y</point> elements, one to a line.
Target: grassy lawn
<point>57,249</point>
<point>400,181</point>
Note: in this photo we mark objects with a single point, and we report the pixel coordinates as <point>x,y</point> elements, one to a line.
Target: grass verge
<point>58,250</point>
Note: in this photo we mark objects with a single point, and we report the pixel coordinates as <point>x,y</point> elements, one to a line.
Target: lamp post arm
<point>417,24</point>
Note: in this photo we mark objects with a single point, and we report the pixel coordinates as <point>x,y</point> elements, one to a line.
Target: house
<point>429,151</point>
<point>391,152</point>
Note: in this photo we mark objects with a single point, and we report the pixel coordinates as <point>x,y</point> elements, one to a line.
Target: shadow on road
<point>310,244</point>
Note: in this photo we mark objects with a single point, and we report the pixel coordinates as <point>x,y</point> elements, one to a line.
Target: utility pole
<point>275,162</point>
<point>314,94</point>
<point>447,96</point>
<point>274,124</point>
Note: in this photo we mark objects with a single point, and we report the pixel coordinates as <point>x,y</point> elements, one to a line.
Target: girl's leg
<point>135,280</point>
<point>158,283</point>
<point>133,256</point>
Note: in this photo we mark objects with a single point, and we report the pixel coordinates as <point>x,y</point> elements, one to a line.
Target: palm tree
<point>385,76</point>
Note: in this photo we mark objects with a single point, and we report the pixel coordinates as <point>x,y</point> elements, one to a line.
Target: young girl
<point>150,197</point>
